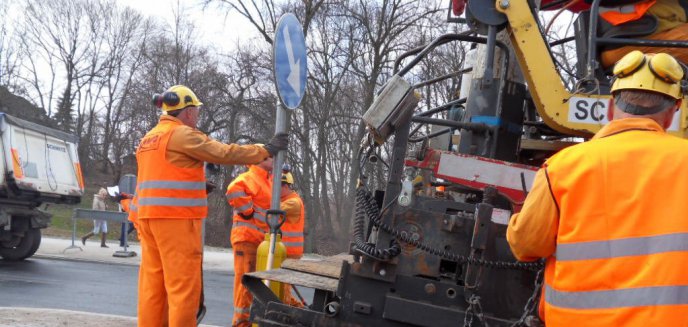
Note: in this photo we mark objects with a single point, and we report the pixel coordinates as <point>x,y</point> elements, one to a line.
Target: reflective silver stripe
<point>132,207</point>
<point>260,217</point>
<point>629,297</point>
<point>625,9</point>
<point>173,202</point>
<point>249,225</point>
<point>622,247</point>
<point>292,234</point>
<point>234,195</point>
<point>263,214</point>
<point>241,310</point>
<point>244,207</point>
<point>172,185</point>
<point>293,244</point>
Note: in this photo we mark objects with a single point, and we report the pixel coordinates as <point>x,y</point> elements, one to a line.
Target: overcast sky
<point>218,27</point>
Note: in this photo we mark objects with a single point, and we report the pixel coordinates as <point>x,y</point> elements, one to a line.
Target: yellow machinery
<point>421,257</point>
<point>556,105</point>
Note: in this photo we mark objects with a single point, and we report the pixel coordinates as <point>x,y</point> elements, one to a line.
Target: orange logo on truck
<point>16,164</point>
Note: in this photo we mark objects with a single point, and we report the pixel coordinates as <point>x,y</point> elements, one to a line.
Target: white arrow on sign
<point>294,67</point>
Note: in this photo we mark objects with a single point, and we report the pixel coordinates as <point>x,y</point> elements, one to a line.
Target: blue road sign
<point>289,61</point>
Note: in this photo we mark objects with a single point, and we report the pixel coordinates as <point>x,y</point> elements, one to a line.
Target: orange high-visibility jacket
<point>165,190</point>
<point>292,229</point>
<point>133,212</point>
<point>623,14</point>
<point>621,232</point>
<point>248,194</point>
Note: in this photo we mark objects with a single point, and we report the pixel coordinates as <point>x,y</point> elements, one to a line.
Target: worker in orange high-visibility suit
<point>249,194</point>
<point>125,200</point>
<point>171,202</point>
<point>292,229</point>
<point>646,19</point>
<point>609,215</point>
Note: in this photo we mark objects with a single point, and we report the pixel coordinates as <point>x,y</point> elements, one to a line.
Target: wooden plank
<point>298,278</point>
<point>327,267</point>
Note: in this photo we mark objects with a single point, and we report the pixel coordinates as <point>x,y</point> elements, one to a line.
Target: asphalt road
<point>96,287</point>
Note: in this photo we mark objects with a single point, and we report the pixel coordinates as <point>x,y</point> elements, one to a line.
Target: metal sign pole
<point>289,54</point>
<point>280,126</point>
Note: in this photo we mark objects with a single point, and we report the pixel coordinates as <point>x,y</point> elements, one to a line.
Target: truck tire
<point>26,247</point>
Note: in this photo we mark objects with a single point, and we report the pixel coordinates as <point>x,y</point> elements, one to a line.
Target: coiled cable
<point>367,207</point>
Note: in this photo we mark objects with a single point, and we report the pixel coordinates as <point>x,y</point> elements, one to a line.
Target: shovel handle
<point>282,217</point>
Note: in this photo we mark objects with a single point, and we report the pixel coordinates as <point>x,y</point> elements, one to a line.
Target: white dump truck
<point>38,165</point>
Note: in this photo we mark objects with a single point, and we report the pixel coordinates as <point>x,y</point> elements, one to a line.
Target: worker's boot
<point>83,239</point>
<point>102,240</point>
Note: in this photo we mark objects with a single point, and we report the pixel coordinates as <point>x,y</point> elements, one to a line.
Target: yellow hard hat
<point>287,178</point>
<point>651,72</point>
<point>175,98</point>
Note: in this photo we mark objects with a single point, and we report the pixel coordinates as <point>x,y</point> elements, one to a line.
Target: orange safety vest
<point>133,211</point>
<point>623,14</point>
<point>292,233</point>
<point>163,189</point>
<point>250,192</point>
<point>622,241</point>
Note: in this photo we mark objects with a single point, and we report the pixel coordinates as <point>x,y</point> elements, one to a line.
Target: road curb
<point>59,257</point>
<point>38,317</point>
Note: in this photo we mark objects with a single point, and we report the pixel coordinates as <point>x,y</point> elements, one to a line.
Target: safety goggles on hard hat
<point>659,72</point>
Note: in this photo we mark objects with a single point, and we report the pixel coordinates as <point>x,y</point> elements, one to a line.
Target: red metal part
<point>458,6</point>
<point>479,172</point>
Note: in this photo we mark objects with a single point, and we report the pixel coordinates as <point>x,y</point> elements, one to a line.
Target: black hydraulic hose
<point>476,127</point>
<point>366,207</point>
<point>431,135</point>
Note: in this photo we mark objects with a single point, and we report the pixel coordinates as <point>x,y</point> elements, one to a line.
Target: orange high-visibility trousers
<point>289,298</point>
<point>244,262</point>
<point>170,272</point>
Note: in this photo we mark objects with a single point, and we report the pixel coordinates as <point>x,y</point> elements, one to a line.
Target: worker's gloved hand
<point>278,143</point>
<point>247,217</point>
<point>118,197</point>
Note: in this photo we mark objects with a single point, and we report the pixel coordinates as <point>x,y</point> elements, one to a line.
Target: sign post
<point>127,184</point>
<point>289,65</point>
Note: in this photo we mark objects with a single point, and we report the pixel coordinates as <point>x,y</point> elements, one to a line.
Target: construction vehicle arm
<point>566,112</point>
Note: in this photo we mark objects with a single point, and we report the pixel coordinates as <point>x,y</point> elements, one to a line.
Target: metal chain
<point>368,207</point>
<point>468,317</point>
<point>528,316</point>
<point>474,310</point>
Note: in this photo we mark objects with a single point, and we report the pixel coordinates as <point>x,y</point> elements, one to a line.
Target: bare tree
<point>125,32</point>
<point>10,55</point>
<point>59,32</point>
<point>384,29</point>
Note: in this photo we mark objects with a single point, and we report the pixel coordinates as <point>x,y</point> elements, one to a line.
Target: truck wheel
<point>25,248</point>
